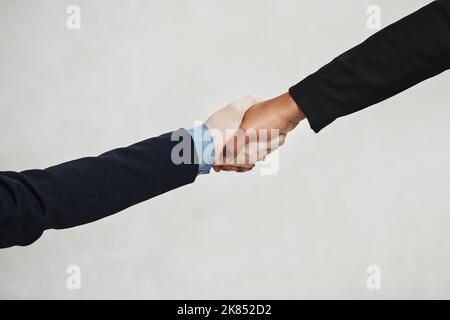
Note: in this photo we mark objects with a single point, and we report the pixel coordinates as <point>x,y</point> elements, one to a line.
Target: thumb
<point>245,103</point>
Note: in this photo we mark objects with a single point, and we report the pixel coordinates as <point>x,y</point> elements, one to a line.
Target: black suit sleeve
<point>89,189</point>
<point>394,59</point>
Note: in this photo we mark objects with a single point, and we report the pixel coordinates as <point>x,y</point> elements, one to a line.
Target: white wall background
<point>372,188</point>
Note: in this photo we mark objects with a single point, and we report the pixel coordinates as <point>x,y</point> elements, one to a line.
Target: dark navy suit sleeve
<point>88,189</point>
<point>401,55</point>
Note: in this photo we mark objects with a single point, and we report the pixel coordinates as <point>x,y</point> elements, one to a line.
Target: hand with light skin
<point>224,124</point>
<point>281,114</point>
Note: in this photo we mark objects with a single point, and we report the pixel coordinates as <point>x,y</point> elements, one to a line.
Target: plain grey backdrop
<point>370,189</point>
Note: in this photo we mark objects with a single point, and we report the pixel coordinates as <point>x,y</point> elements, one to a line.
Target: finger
<point>257,151</point>
<point>243,168</point>
<point>240,144</point>
<point>271,146</point>
<point>238,169</point>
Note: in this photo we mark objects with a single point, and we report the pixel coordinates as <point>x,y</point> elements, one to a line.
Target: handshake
<point>247,130</point>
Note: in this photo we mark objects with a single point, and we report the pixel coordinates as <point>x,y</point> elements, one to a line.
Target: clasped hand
<point>247,130</point>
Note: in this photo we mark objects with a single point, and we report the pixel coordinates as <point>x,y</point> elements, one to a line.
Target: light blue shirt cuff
<point>204,148</point>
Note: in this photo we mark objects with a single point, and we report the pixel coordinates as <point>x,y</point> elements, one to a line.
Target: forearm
<point>394,59</point>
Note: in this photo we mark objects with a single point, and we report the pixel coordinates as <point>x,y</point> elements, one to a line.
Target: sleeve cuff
<point>309,96</point>
<point>204,148</point>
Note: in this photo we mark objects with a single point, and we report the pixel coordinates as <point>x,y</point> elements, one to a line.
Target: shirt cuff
<point>204,148</point>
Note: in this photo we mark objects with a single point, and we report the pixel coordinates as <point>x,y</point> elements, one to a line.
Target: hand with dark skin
<point>280,113</point>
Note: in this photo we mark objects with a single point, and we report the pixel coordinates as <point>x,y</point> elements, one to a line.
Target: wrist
<point>291,110</point>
